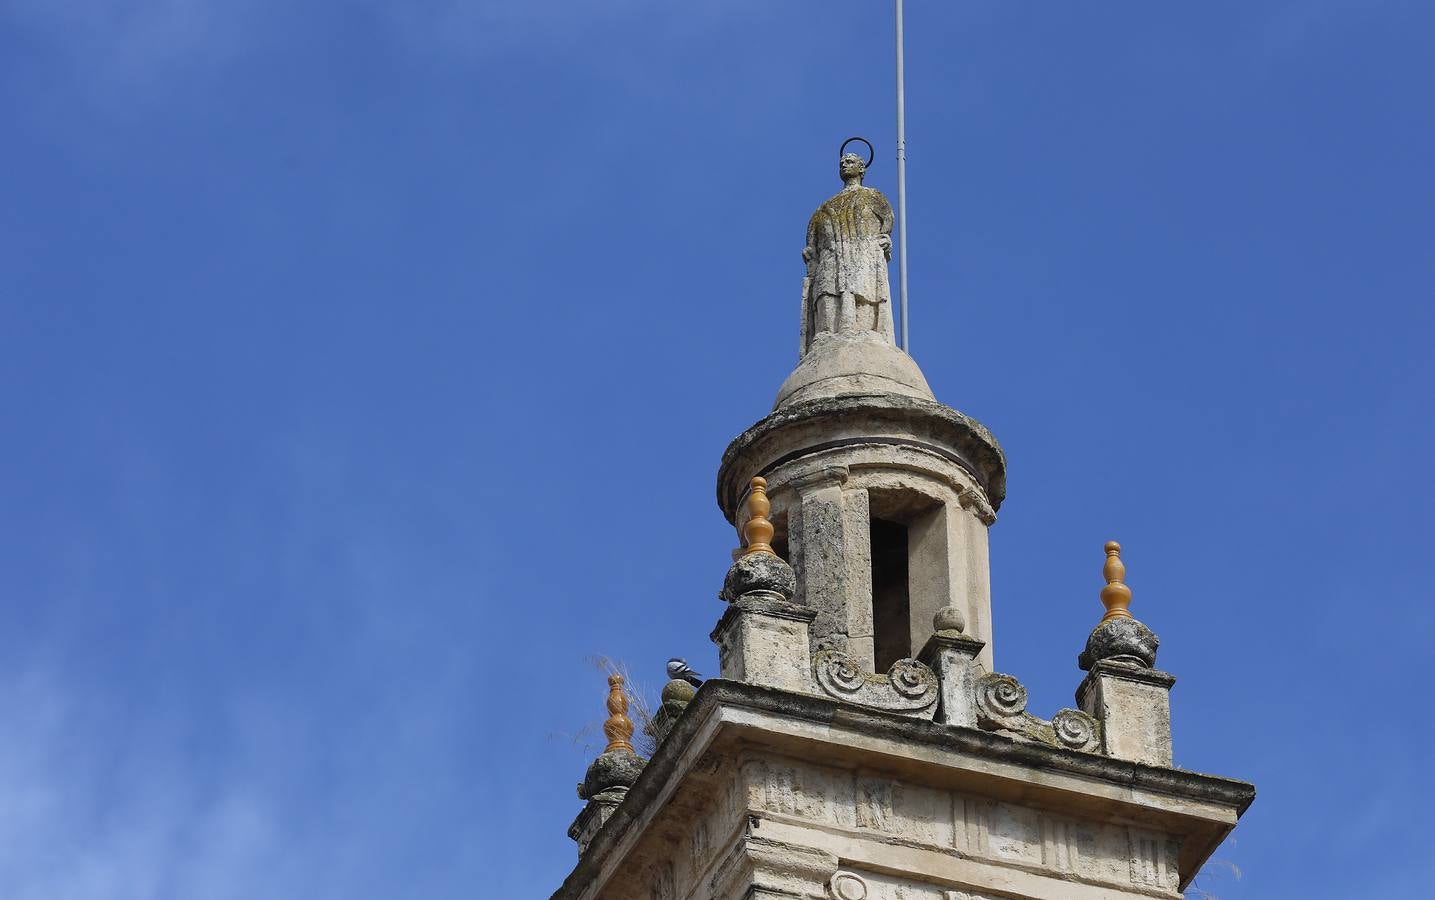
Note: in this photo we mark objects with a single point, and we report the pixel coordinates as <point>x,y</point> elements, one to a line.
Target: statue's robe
<point>846,258</point>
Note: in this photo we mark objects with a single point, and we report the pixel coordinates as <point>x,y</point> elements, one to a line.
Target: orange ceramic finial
<point>618,728</point>
<point>758,531</point>
<point>1116,596</point>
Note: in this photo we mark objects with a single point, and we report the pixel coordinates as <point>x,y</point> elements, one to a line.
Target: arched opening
<point>899,523</point>
<point>891,600</point>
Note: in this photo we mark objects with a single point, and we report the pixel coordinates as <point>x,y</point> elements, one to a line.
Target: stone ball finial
<point>949,618</point>
<point>759,573</point>
<point>1123,640</point>
<point>610,771</point>
<point>678,691</point>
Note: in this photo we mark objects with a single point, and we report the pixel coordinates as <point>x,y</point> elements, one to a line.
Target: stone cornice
<point>1204,806</point>
<point>883,418</point>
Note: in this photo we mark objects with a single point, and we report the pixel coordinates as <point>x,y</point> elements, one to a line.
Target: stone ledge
<point>842,722</point>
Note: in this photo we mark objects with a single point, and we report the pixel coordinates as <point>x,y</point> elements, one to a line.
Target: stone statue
<point>849,242</point>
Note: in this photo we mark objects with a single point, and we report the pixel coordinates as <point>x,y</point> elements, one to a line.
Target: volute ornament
<point>1075,729</point>
<point>843,677</point>
<point>1001,706</point>
<point>909,687</point>
<point>910,678</point>
<point>1000,696</point>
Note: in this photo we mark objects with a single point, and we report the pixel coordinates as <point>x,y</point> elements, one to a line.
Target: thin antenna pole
<point>902,175</point>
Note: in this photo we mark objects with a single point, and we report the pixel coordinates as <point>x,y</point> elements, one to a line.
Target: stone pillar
<point>953,656</point>
<point>828,533</point>
<point>1123,688</point>
<point>930,544</point>
<point>949,567</point>
<point>974,581</point>
<point>596,812</point>
<point>610,775</point>
<point>763,640</point>
<point>1134,705</point>
<point>760,869</point>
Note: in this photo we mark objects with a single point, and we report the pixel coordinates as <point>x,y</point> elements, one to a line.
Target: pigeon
<point>678,669</point>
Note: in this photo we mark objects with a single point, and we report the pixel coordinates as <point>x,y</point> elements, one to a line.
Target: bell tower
<point>881,498</point>
<point>860,743</point>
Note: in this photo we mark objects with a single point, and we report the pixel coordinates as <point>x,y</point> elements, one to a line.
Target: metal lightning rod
<point>902,176</point>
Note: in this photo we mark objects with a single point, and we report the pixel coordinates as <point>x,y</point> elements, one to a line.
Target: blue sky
<point>365,367</point>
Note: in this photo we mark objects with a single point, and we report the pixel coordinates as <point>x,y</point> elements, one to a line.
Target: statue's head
<point>852,166</point>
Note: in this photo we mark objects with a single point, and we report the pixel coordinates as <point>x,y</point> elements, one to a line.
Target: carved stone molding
<point>909,687</point>
<point>826,476</point>
<point>974,501</point>
<point>847,886</point>
<point>1001,706</point>
<point>877,418</point>
<point>757,867</point>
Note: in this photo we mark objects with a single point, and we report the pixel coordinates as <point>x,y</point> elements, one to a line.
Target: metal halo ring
<point>871,154</point>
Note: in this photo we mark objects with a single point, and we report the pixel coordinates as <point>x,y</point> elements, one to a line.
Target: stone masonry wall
<point>786,826</point>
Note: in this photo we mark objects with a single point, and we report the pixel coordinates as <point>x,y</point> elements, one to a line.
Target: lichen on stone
<point>614,769</point>
<point>1122,639</point>
<point>762,573</point>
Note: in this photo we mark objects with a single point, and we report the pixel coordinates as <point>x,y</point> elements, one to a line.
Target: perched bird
<point>678,669</point>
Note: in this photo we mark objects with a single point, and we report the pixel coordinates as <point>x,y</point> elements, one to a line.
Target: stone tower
<point>860,744</point>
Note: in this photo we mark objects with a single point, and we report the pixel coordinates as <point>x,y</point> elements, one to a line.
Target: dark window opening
<point>891,604</point>
<point>779,537</point>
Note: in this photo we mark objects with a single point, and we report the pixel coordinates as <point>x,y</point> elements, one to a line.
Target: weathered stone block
<point>761,869</point>
<point>595,813</point>
<point>953,656</point>
<point>1134,706</point>
<point>764,642</point>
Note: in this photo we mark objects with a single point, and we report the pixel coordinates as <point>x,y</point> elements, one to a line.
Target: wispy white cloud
<point>98,808</point>
<point>67,830</point>
<point>244,785</point>
<point>95,811</point>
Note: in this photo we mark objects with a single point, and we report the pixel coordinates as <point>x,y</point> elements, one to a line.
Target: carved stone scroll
<point>847,886</point>
<point>908,687</point>
<point>1001,706</point>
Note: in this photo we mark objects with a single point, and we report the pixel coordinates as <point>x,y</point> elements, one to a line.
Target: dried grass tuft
<point>641,707</point>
